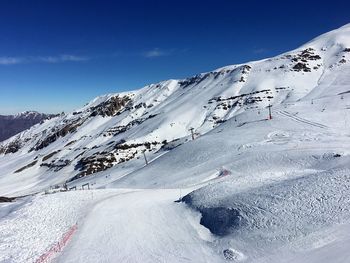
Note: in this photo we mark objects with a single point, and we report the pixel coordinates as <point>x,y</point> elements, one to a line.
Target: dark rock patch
<point>111,107</point>
<point>114,131</point>
<point>25,167</point>
<point>11,147</point>
<point>301,67</point>
<point>57,164</point>
<point>70,143</point>
<point>49,155</point>
<point>93,164</point>
<point>60,132</point>
<point>4,199</point>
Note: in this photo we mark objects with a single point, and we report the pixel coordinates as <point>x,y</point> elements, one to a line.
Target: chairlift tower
<point>144,156</point>
<point>192,133</point>
<point>270,115</point>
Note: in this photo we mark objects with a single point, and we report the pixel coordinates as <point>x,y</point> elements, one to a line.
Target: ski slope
<point>151,228</point>
<point>284,195</point>
<point>107,135</point>
<point>29,227</point>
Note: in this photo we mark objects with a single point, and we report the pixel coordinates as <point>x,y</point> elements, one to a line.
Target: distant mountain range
<point>13,124</point>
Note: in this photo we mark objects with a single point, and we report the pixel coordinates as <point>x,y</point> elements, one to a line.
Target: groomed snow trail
<point>31,226</point>
<point>142,226</point>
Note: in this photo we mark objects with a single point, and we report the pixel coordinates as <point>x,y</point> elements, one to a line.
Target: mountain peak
<point>27,113</point>
<point>337,38</point>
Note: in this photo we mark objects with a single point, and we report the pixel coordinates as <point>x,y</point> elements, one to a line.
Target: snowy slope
<point>168,228</point>
<point>108,134</point>
<point>34,224</point>
<point>264,188</point>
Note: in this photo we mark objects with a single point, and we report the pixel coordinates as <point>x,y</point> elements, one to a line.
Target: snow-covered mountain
<point>13,124</point>
<point>263,187</point>
<point>110,133</point>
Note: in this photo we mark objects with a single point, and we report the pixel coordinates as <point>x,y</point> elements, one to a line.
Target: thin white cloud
<point>61,58</point>
<point>156,52</point>
<point>42,59</point>
<point>10,60</point>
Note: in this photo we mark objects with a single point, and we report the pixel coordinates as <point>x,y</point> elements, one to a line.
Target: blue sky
<point>57,55</point>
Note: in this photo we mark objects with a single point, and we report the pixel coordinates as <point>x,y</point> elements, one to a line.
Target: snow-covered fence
<point>57,247</point>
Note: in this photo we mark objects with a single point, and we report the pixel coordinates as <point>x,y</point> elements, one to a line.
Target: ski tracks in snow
<point>302,120</point>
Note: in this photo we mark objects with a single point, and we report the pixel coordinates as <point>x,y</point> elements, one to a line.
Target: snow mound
<point>275,214</point>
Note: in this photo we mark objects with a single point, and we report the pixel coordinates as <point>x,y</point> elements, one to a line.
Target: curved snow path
<point>32,225</point>
<point>142,226</point>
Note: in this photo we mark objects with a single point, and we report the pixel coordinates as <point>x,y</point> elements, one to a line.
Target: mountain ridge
<point>112,130</point>
<point>13,124</point>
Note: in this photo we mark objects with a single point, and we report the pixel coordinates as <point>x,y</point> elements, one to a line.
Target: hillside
<point>111,131</point>
<point>250,188</point>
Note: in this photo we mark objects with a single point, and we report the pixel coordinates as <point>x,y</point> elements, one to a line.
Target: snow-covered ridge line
<point>111,132</point>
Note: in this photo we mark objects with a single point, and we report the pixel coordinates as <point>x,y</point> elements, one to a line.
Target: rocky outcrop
<point>111,107</point>
<point>119,153</point>
<point>26,167</point>
<point>301,67</point>
<point>59,132</point>
<point>56,165</point>
<point>94,163</point>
